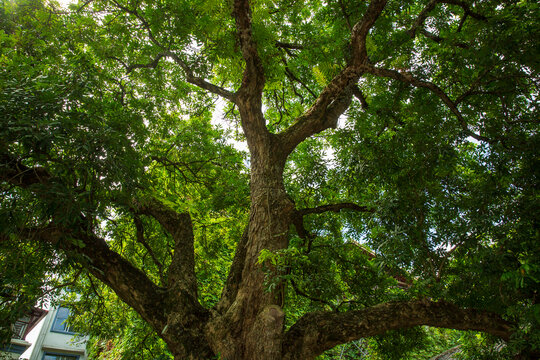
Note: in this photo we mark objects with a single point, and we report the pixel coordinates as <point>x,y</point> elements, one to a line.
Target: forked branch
<point>181,272</point>
<point>336,97</point>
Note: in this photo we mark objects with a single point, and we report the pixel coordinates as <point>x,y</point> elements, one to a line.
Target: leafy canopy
<point>89,98</point>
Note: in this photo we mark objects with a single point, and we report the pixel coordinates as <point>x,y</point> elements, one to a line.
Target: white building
<point>21,329</point>
<point>51,339</point>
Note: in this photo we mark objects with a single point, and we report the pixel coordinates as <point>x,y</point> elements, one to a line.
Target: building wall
<point>45,340</point>
<point>13,350</point>
<point>17,345</point>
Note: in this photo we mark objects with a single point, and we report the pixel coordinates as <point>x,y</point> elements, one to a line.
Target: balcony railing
<point>19,329</point>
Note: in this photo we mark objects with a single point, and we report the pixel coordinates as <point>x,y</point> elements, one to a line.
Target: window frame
<point>54,324</point>
<point>14,348</point>
<point>45,353</point>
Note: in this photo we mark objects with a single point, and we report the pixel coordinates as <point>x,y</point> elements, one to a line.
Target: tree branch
<point>335,208</point>
<point>14,172</point>
<point>181,272</point>
<point>319,118</point>
<point>466,7</point>
<point>345,15</point>
<point>253,79</point>
<point>312,298</point>
<point>419,22</point>
<point>190,77</point>
<point>289,46</point>
<point>200,82</point>
<point>293,77</point>
<point>439,39</point>
<point>360,96</point>
<point>361,30</point>
<point>141,240</point>
<point>142,20</point>
<point>316,332</point>
<point>185,315</point>
<point>130,284</point>
<point>249,95</point>
<point>151,65</point>
<point>418,25</point>
<point>409,79</point>
<point>336,96</point>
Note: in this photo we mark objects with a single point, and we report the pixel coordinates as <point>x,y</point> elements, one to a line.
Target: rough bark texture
<point>316,332</point>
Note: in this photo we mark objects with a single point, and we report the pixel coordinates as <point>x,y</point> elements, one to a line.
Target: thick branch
<point>249,96</point>
<point>130,284</point>
<point>336,96</point>
<point>185,315</point>
<point>289,46</point>
<point>14,172</point>
<point>361,30</point>
<point>141,240</point>
<point>253,79</point>
<point>319,118</point>
<point>316,332</point>
<point>181,272</point>
<point>175,312</point>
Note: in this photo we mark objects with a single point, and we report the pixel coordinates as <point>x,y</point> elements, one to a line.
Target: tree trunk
<point>253,324</point>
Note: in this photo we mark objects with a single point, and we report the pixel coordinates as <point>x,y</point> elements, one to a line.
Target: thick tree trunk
<point>253,324</point>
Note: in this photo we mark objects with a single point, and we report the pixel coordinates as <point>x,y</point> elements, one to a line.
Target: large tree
<point>404,127</point>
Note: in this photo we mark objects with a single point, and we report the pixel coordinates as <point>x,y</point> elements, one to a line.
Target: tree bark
<point>314,333</point>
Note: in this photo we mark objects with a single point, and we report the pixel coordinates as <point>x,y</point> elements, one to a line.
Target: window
<point>12,348</point>
<point>49,356</point>
<point>60,323</point>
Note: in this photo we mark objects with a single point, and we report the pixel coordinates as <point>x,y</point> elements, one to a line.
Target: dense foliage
<point>108,106</point>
